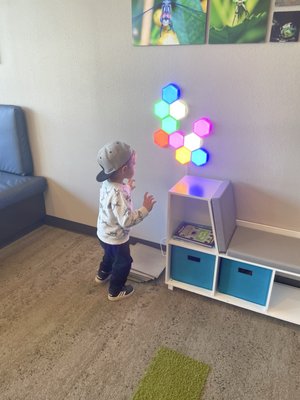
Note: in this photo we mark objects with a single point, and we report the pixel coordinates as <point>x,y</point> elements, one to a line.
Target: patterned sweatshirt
<point>116,213</point>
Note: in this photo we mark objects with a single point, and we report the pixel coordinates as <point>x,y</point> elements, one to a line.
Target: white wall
<point>72,66</point>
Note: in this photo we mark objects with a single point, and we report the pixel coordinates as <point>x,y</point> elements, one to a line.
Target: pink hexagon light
<point>176,139</point>
<point>202,127</point>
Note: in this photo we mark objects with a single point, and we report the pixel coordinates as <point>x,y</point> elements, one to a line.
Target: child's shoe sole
<point>127,291</point>
<point>99,280</point>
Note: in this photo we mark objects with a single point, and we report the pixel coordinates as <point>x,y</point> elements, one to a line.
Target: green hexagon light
<point>169,124</point>
<point>161,109</point>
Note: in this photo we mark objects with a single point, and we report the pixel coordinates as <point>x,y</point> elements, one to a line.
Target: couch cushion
<point>15,155</point>
<point>15,188</point>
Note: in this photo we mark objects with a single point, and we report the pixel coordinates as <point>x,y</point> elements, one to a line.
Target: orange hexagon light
<point>161,138</point>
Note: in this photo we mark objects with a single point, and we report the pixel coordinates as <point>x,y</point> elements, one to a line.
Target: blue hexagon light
<point>199,157</point>
<point>171,93</point>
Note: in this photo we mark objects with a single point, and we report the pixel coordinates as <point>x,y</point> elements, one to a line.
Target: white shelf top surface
<point>195,186</point>
<point>285,303</point>
<point>192,246</point>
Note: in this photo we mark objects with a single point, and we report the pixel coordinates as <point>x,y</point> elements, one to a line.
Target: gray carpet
<point>60,338</point>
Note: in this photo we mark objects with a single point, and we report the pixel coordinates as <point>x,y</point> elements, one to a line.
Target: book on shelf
<point>196,233</point>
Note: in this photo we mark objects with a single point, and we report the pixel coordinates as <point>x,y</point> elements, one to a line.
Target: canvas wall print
<point>284,3</point>
<point>285,27</point>
<point>157,23</point>
<point>238,21</point>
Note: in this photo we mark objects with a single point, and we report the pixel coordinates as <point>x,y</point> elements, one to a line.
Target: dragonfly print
<point>168,22</point>
<point>238,21</point>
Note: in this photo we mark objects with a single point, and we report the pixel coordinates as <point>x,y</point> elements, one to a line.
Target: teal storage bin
<point>245,281</point>
<point>192,267</point>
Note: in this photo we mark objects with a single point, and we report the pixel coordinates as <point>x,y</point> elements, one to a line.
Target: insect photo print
<point>238,21</point>
<point>166,22</point>
<point>285,27</point>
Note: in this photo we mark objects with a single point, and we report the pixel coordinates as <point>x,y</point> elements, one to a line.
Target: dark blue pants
<point>117,261</point>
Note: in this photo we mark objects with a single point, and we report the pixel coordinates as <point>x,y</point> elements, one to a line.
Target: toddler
<point>117,215</point>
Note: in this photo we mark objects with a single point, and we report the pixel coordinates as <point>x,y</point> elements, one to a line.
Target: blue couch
<point>22,206</point>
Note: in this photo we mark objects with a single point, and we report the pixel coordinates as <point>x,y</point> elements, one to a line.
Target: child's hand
<point>131,183</point>
<point>149,201</point>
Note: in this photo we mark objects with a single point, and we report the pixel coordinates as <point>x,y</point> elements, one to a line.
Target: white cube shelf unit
<point>229,271</point>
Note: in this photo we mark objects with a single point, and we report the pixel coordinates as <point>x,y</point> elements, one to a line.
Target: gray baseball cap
<point>111,157</point>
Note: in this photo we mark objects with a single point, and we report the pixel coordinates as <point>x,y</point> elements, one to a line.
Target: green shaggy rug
<point>172,376</point>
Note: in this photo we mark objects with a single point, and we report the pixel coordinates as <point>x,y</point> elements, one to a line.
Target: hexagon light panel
<point>161,109</point>
<point>202,127</point>
<point>169,124</point>
<point>170,93</point>
<point>176,139</point>
<point>183,155</point>
<point>199,157</point>
<point>192,141</point>
<point>178,109</point>
<point>171,110</point>
<point>161,138</point>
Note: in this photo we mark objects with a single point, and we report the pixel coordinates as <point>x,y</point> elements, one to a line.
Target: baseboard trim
<point>77,227</point>
<point>72,226</point>
<point>133,240</point>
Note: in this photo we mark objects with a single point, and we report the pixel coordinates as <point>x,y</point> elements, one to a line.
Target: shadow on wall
<point>263,207</point>
<point>61,203</point>
<point>34,133</point>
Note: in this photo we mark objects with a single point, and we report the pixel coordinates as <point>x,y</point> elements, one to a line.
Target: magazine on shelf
<point>196,233</point>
